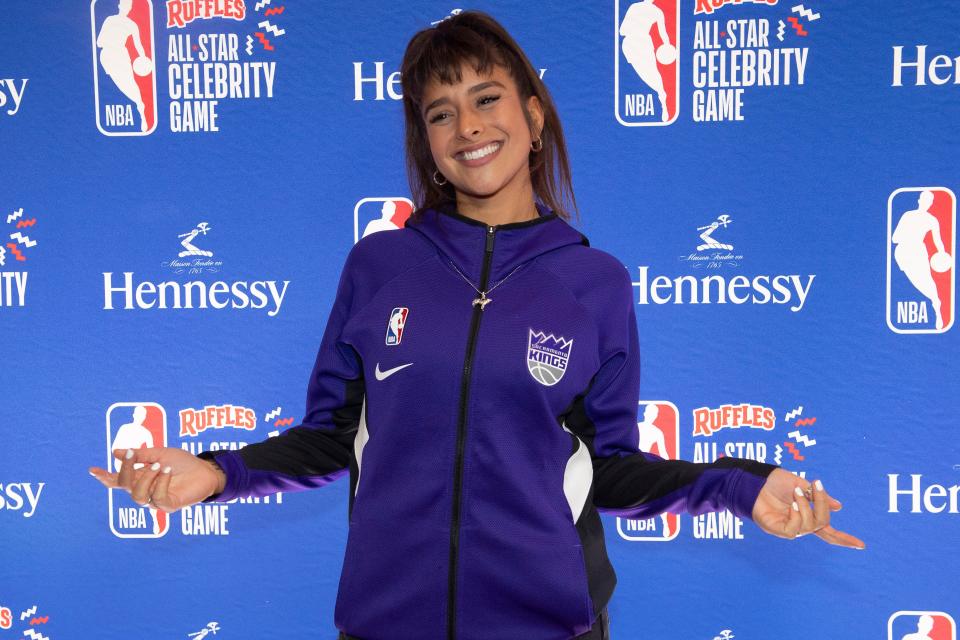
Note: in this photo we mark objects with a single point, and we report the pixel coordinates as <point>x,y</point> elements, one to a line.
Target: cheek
<point>436,147</point>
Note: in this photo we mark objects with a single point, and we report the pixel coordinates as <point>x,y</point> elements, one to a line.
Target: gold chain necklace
<point>483,300</point>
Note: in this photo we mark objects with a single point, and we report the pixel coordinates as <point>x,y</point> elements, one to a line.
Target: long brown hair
<point>473,37</point>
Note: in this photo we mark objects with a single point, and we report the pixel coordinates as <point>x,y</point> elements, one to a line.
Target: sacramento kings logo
<point>547,357</point>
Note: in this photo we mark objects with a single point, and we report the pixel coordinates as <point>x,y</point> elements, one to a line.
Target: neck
<point>504,207</point>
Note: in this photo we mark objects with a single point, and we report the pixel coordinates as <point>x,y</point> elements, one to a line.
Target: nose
<point>470,124</point>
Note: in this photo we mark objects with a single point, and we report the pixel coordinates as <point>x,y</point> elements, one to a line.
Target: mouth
<point>479,156</point>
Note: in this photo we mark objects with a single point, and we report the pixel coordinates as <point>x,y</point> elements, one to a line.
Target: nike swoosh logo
<point>383,375</point>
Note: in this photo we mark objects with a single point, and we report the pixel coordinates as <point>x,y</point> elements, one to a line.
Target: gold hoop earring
<point>435,173</point>
<point>536,145</point>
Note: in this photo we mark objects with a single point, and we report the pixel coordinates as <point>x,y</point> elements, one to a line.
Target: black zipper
<point>461,438</point>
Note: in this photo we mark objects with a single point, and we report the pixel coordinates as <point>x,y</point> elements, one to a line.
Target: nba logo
<point>658,433</point>
<point>124,69</point>
<point>921,625</point>
<point>647,69</point>
<point>921,236</point>
<point>379,214</point>
<point>134,425</point>
<point>398,318</point>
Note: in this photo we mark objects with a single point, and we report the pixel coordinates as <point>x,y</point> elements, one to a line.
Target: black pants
<point>600,630</point>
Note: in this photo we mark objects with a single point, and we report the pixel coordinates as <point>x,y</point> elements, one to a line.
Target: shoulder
<point>387,252</point>
<point>595,277</point>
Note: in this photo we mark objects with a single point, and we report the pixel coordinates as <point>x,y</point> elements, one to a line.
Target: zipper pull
<point>490,232</point>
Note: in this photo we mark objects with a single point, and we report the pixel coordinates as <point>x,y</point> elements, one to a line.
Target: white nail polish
<point>796,507</point>
<point>129,454</point>
<point>154,466</point>
<point>818,485</point>
<point>798,491</point>
<point>166,469</point>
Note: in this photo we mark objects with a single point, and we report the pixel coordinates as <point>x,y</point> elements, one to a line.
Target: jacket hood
<point>462,239</point>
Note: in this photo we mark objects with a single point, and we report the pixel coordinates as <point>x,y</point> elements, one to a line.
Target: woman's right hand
<point>170,478</point>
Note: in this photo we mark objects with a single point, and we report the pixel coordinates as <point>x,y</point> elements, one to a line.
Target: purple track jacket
<point>481,441</point>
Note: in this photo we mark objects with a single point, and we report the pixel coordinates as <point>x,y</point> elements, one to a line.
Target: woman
<point>476,475</point>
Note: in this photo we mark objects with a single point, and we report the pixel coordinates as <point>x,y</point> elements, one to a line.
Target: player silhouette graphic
<point>638,48</point>
<point>135,435</point>
<point>115,59</point>
<point>924,627</point>
<point>650,436</point>
<point>911,251</point>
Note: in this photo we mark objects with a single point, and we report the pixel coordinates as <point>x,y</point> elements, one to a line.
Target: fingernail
<point>818,485</point>
<point>166,469</point>
<point>798,491</point>
<point>129,454</point>
<point>796,507</point>
<point>93,474</point>
<point>154,466</point>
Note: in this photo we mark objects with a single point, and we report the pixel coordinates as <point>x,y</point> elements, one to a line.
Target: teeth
<point>481,153</point>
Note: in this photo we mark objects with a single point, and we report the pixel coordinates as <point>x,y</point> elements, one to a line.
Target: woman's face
<point>481,115</point>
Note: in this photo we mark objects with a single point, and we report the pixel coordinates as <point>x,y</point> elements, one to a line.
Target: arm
<point>633,484</point>
<point>935,233</point>
<point>662,28</point>
<point>137,44</point>
<point>319,450</point>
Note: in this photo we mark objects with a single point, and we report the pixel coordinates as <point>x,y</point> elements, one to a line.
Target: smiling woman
<point>482,129</point>
<point>483,434</point>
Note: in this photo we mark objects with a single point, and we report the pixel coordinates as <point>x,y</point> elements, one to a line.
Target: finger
<point>808,521</point>
<point>161,491</point>
<point>839,538</point>
<point>141,490</point>
<point>792,528</point>
<point>136,464</point>
<point>821,506</point>
<point>125,476</point>
<point>106,478</point>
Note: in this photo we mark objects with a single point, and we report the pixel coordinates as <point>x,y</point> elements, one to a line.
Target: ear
<point>535,109</point>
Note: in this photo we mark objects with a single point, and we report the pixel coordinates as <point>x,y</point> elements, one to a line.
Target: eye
<point>436,117</point>
<point>488,99</point>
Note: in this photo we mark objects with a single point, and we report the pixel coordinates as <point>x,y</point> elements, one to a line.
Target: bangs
<point>439,53</point>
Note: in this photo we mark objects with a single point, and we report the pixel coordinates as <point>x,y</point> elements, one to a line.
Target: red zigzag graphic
<point>16,252</point>
<point>264,41</point>
<point>274,11</point>
<point>796,26</point>
<point>806,422</point>
<point>283,423</point>
<point>42,620</point>
<point>26,223</point>
<point>793,451</point>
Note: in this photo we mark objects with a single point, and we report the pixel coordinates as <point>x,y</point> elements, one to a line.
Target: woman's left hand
<point>783,511</point>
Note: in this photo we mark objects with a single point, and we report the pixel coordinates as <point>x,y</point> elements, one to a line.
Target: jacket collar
<point>463,239</point>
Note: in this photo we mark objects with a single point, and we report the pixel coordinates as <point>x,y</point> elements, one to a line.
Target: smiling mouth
<point>479,154</point>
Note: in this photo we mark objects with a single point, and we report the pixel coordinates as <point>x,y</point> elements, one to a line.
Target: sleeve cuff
<point>233,468</point>
<point>746,487</point>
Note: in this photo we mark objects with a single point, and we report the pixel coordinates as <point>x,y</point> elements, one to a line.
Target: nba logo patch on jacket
<point>398,318</point>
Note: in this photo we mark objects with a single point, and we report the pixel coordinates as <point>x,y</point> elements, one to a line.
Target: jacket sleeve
<point>319,450</point>
<point>631,483</point>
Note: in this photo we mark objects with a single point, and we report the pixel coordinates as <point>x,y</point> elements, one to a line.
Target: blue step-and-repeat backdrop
<point>181,180</point>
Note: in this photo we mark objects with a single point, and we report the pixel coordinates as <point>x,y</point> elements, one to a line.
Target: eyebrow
<point>474,89</point>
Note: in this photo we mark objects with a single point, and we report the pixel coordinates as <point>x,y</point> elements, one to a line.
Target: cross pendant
<point>482,301</point>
